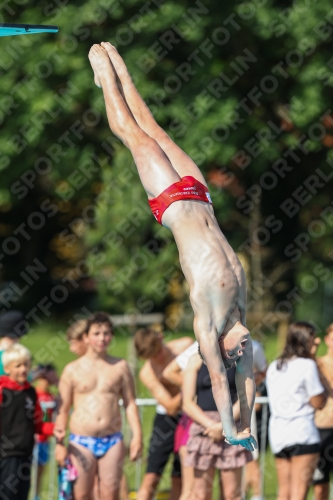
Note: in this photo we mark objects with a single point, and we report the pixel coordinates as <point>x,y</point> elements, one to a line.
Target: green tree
<point>244,89</point>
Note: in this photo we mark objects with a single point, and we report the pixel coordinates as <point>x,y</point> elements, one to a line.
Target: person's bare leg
<point>322,491</point>
<point>110,471</point>
<point>302,469</point>
<point>283,470</point>
<point>176,488</point>
<point>231,481</point>
<point>252,477</point>
<point>86,465</point>
<point>203,484</point>
<point>96,487</point>
<point>183,164</point>
<point>187,476</point>
<point>221,495</point>
<point>155,170</point>
<point>148,486</point>
<point>124,488</point>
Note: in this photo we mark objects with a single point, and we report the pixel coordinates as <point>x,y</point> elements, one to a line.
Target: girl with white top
<point>295,391</point>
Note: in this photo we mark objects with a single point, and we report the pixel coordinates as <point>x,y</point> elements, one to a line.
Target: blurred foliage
<point>239,86</point>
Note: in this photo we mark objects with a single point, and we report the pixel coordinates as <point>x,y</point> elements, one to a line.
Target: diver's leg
<point>179,159</point>
<point>155,170</point>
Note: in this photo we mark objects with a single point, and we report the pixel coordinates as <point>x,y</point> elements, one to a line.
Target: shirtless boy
<point>149,345</point>
<point>93,385</point>
<point>211,268</point>
<point>324,422</point>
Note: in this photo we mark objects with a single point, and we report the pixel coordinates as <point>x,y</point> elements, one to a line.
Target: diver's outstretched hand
<point>244,438</point>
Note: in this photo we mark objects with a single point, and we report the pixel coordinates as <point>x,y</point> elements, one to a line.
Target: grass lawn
<point>48,345</point>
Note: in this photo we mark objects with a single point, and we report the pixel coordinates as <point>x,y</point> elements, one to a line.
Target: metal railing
<point>142,403</point>
<point>263,400</point>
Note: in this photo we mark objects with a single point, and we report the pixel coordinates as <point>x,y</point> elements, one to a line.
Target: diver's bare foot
<point>101,64</point>
<point>117,60</point>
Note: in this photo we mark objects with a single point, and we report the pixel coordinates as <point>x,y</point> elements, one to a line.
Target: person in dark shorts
<point>295,392</point>
<point>174,373</point>
<point>149,345</point>
<point>321,475</point>
<point>324,423</point>
<point>162,443</point>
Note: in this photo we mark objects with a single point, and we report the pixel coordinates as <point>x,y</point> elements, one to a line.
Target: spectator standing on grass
<point>295,392</point>
<point>43,385</point>
<point>174,374</point>
<point>149,345</point>
<point>207,450</point>
<point>20,419</point>
<point>324,423</point>
<point>93,385</point>
<point>77,346</point>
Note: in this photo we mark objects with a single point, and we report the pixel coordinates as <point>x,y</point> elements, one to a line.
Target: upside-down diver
<point>179,198</point>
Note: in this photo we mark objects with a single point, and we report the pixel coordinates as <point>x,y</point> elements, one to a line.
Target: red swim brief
<point>188,188</point>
